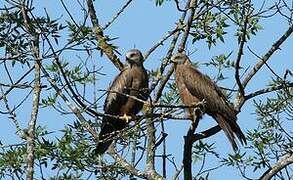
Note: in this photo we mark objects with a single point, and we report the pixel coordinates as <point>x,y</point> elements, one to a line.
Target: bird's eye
<point>132,55</point>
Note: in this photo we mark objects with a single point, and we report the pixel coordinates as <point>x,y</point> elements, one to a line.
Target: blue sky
<point>141,26</point>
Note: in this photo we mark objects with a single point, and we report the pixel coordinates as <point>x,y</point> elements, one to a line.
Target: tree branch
<point>146,55</point>
<point>73,108</point>
<point>56,57</point>
<point>267,90</point>
<point>17,82</point>
<point>192,7</point>
<point>172,46</point>
<point>267,56</point>
<point>102,40</point>
<point>150,162</point>
<point>34,46</point>
<point>207,133</point>
<point>187,152</point>
<point>240,53</point>
<point>131,169</point>
<point>117,15</point>
<point>281,163</point>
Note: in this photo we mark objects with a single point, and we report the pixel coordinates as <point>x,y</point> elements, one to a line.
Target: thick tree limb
<point>34,45</point>
<point>150,153</point>
<point>207,133</point>
<point>102,40</point>
<point>281,163</point>
<point>187,152</point>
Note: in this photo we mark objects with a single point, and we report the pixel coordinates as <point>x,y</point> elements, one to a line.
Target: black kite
<point>132,81</point>
<point>194,87</point>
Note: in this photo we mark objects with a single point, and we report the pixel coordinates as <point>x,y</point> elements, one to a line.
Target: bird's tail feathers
<point>107,133</point>
<point>231,129</point>
<point>105,139</point>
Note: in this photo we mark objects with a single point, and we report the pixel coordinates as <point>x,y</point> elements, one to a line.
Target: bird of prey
<point>194,87</point>
<point>122,98</point>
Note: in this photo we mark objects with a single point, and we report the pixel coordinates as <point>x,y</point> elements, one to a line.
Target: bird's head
<point>134,56</point>
<point>179,58</point>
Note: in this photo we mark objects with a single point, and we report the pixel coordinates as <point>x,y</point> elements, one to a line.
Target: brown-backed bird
<point>194,87</point>
<point>131,82</point>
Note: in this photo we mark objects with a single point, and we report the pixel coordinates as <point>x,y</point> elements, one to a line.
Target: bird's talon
<point>125,118</point>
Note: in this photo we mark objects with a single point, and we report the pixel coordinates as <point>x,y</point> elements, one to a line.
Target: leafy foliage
<point>70,45</point>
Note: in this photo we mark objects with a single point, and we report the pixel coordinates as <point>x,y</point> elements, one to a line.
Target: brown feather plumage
<point>193,87</point>
<point>132,81</point>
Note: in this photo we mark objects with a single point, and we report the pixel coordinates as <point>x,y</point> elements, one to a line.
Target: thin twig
<point>240,53</point>
<point>117,15</point>
<point>18,81</point>
<point>160,43</point>
<point>267,90</point>
<point>178,6</point>
<point>267,56</point>
<point>175,177</point>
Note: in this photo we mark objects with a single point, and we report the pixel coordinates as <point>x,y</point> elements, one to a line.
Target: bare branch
<point>192,6</point>
<point>175,177</point>
<point>240,53</point>
<point>178,6</point>
<point>281,163</point>
<point>118,14</point>
<point>207,133</point>
<point>267,90</point>
<point>18,81</point>
<point>267,56</point>
<point>169,54</point>
<point>12,113</point>
<point>160,43</point>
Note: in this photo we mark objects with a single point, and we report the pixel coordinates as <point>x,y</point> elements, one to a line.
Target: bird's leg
<point>125,118</point>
